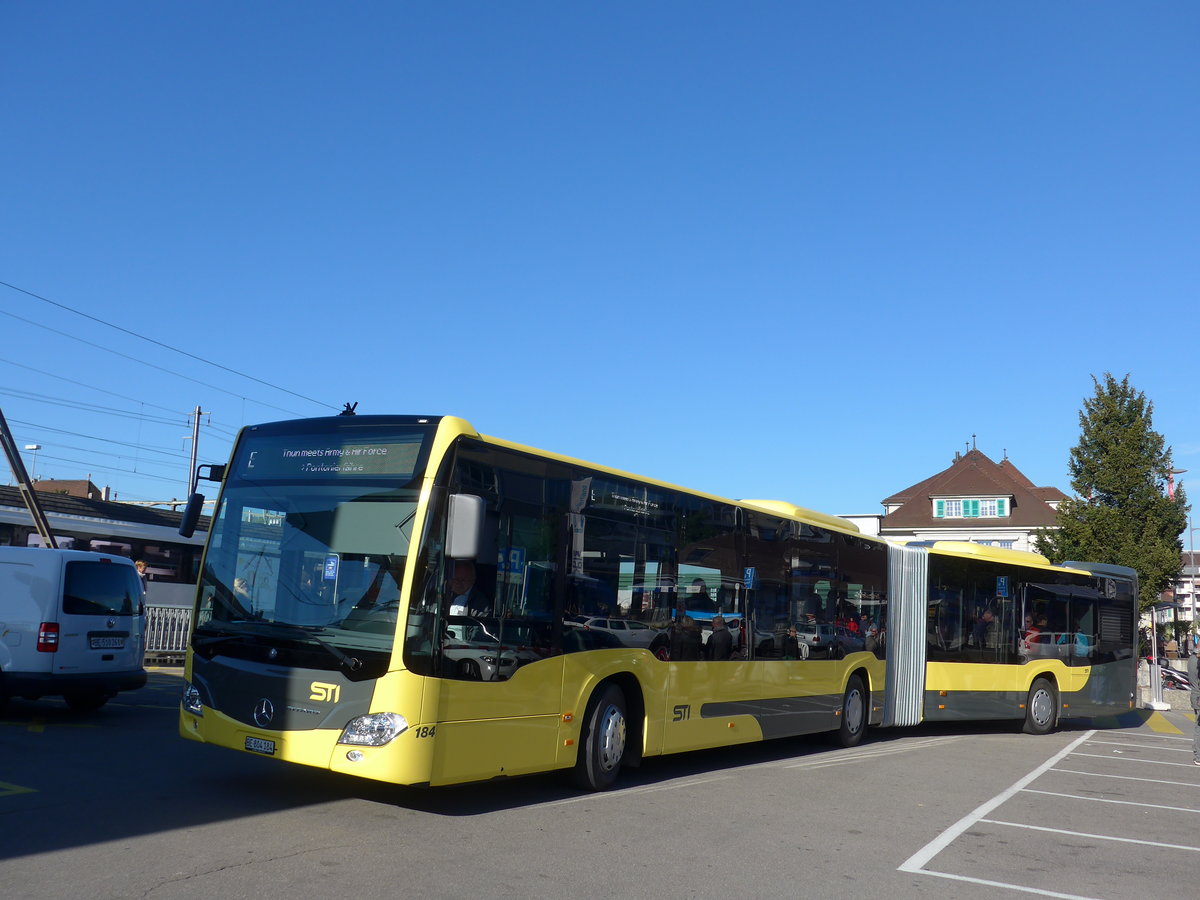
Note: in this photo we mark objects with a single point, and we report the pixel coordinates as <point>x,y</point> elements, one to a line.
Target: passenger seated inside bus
<point>1077,641</point>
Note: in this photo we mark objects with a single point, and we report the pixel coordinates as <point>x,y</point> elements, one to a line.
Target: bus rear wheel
<point>1041,708</point>
<point>602,743</point>
<point>853,723</point>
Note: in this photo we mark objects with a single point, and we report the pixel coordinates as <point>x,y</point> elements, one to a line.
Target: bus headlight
<point>374,730</point>
<point>191,701</point>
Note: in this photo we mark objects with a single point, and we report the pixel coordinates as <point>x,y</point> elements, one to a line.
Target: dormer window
<point>981,508</point>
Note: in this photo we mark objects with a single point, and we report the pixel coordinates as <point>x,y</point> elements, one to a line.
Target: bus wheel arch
<point>1041,706</point>
<point>610,736</point>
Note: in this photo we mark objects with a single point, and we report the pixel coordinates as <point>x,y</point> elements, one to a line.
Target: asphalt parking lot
<point>113,804</point>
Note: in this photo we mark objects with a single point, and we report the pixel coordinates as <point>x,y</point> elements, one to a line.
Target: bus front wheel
<point>1041,708</point>
<point>854,713</point>
<point>602,743</point>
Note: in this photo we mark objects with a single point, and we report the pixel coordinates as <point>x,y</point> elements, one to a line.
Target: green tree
<point>1119,472</point>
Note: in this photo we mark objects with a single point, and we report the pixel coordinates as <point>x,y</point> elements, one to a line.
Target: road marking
<point>7,790</point>
<point>874,751</point>
<point>1185,809</point>
<point>917,862</point>
<point>1140,746</point>
<point>1136,717</point>
<point>1158,722</point>
<point>1130,759</point>
<point>1130,778</point>
<point>630,792</point>
<point>1096,837</point>
<point>38,725</point>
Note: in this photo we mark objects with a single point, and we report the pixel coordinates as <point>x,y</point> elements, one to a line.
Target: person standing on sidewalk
<point>1193,670</point>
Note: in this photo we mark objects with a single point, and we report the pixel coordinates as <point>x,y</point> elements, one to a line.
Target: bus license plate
<point>107,643</point>
<point>258,745</point>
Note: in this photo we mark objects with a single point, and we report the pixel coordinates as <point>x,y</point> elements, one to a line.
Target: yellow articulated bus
<point>404,599</point>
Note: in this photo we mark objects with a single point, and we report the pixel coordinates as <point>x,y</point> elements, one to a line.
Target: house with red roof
<point>976,500</point>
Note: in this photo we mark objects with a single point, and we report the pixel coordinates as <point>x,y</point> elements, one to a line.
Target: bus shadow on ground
<point>76,779</point>
<point>507,793</point>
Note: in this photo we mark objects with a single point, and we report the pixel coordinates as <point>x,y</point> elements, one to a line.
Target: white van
<point>72,624</point>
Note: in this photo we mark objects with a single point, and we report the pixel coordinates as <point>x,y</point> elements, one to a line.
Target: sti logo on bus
<point>325,692</point>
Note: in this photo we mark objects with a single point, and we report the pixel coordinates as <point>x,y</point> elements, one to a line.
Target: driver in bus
<point>466,598</point>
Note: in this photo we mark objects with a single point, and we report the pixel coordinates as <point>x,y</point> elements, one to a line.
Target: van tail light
<point>47,637</point>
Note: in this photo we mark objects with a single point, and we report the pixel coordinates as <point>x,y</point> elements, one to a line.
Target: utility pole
<point>24,486</point>
<point>195,417</point>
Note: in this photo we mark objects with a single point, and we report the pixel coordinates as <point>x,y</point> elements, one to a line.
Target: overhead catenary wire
<point>86,407</point>
<point>168,347</point>
<point>99,468</point>
<point>50,428</point>
<point>148,364</point>
<point>90,387</point>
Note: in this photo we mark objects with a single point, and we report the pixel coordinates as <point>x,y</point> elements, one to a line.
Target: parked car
<point>847,641</point>
<point>474,651</point>
<point>576,640</point>
<point>820,637</point>
<point>629,632</point>
<point>74,625</point>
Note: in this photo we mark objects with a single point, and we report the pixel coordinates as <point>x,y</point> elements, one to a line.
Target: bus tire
<point>1041,707</point>
<point>602,741</point>
<point>853,720</point>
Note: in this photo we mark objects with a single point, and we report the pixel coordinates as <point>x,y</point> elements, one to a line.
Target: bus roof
<point>779,507</point>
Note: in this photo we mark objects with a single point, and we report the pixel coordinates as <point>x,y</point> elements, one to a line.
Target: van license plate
<point>107,643</point>
<point>258,745</point>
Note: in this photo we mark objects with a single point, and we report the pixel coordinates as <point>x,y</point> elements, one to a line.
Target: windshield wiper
<point>352,663</point>
<point>210,637</point>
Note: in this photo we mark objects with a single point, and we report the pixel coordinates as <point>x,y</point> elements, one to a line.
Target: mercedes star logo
<point>264,712</point>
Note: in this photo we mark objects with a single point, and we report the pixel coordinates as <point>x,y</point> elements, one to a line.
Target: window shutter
<point>971,508</point>
<point>939,509</point>
<point>1002,506</point>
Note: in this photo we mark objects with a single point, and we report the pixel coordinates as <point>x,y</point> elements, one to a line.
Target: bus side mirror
<point>464,531</point>
<point>191,515</point>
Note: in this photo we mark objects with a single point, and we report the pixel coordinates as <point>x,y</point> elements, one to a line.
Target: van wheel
<point>1041,708</point>
<point>602,743</point>
<point>854,714</point>
<point>85,702</point>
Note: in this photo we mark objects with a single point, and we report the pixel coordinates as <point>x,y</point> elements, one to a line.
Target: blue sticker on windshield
<point>331,566</point>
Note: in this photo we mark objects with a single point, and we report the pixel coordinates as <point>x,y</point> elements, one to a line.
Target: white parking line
<point>1192,784</point>
<point>1095,837</point>
<point>1185,809</point>
<point>917,862</point>
<point>1141,746</point>
<point>823,763</point>
<point>629,792</point>
<point>1130,759</point>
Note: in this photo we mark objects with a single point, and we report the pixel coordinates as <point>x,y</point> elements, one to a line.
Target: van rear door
<point>102,618</point>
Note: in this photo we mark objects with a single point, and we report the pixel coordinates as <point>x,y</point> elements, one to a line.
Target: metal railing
<point>167,632</point>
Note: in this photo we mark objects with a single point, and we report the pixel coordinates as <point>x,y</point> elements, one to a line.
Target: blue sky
<point>769,249</point>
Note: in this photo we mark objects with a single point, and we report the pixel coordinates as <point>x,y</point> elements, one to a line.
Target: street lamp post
<point>35,448</point>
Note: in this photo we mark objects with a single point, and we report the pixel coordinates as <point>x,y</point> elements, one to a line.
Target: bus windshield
<point>308,549</point>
